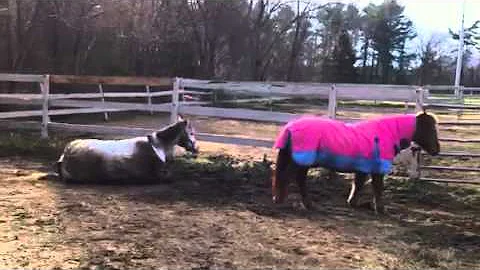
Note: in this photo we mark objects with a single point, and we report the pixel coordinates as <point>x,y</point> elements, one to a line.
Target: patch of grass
<point>472,100</point>
<point>370,104</point>
<point>421,258</point>
<point>29,145</point>
<point>438,224</point>
<point>428,193</point>
<point>221,167</point>
<point>290,106</point>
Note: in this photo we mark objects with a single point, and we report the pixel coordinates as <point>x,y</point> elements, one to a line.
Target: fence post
<point>214,96</point>
<point>270,99</point>
<point>149,98</point>
<point>175,96</point>
<point>100,89</point>
<point>461,93</point>
<point>332,102</point>
<point>332,113</point>
<point>419,99</point>
<point>45,88</point>
<point>456,92</point>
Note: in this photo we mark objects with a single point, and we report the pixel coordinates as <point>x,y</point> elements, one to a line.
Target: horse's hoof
<point>277,200</point>
<point>366,205</point>
<point>352,204</point>
<point>307,206</point>
<point>380,211</point>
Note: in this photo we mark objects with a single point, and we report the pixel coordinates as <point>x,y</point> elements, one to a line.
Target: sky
<point>432,17</point>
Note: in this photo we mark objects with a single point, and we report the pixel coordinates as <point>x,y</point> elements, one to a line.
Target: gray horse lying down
<point>134,160</point>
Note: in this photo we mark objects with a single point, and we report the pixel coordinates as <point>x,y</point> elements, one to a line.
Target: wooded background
<point>233,40</point>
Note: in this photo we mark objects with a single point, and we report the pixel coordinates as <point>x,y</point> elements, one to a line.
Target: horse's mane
<point>171,125</point>
<point>434,116</point>
<point>166,134</point>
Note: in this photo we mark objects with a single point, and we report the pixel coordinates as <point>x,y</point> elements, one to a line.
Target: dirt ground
<point>221,217</point>
<point>216,212</point>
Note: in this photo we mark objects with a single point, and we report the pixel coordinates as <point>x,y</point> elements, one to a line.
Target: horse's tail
<point>283,159</point>
<point>52,174</point>
<point>58,167</point>
<point>282,140</point>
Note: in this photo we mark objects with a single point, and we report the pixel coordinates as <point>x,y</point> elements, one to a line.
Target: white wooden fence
<point>410,95</point>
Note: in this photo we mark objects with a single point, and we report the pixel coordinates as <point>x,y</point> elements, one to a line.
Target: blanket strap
<point>376,149</point>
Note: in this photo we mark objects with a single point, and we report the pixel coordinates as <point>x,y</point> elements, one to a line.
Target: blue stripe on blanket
<point>342,163</point>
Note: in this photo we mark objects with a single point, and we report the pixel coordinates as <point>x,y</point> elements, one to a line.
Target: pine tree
<point>343,60</point>
<point>391,30</point>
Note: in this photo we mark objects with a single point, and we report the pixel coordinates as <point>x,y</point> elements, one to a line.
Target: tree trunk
<point>385,72</point>
<point>76,51</point>
<point>210,69</point>
<point>27,40</point>
<point>373,68</point>
<point>55,41</point>
<point>295,47</point>
<point>364,61</point>
<point>13,28</point>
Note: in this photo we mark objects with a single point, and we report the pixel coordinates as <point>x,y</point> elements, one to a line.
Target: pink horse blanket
<point>365,146</point>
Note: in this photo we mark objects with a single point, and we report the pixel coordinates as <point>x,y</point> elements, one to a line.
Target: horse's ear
<point>180,118</point>
<point>183,122</point>
<point>423,111</point>
<point>150,138</point>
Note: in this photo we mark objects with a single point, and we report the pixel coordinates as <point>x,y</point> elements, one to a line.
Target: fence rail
<point>308,90</point>
<point>269,91</point>
<point>450,88</point>
<point>462,169</point>
<point>24,114</point>
<point>111,80</point>
<point>21,78</point>
<point>96,95</point>
<point>455,181</point>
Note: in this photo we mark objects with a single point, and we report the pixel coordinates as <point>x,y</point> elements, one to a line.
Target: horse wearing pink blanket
<point>364,148</point>
<point>347,147</point>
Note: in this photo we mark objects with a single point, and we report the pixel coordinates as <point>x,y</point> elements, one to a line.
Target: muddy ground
<point>215,212</point>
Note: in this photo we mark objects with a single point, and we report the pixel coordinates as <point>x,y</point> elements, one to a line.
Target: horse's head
<point>186,138</point>
<point>180,133</point>
<point>426,133</point>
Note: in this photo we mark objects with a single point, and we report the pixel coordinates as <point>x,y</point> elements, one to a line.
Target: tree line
<point>234,40</point>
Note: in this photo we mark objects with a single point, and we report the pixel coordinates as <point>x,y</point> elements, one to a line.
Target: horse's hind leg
<point>332,175</point>
<point>377,184</point>
<point>301,177</point>
<point>357,186</point>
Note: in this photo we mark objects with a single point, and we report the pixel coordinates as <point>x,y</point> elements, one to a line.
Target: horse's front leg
<point>301,177</point>
<point>357,186</point>
<point>377,184</point>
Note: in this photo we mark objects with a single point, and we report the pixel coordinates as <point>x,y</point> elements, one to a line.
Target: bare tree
<point>300,35</point>
<point>24,17</point>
